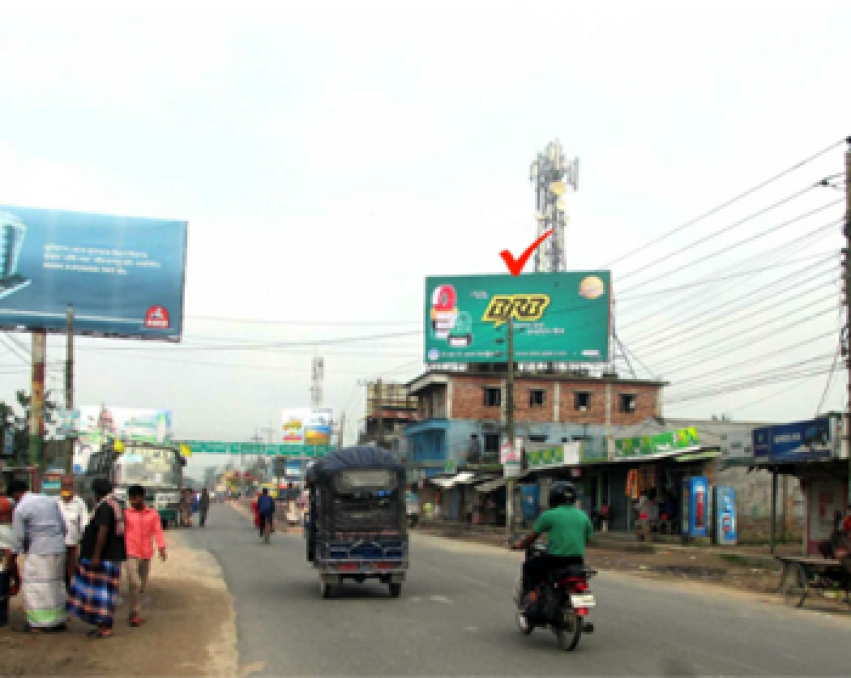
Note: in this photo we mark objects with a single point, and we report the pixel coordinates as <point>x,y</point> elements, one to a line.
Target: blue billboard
<point>801,441</point>
<point>124,276</point>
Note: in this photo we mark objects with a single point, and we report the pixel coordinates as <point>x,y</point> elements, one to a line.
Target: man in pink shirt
<point>142,527</point>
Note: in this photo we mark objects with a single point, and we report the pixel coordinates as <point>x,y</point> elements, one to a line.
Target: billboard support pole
<point>509,424</point>
<point>69,386</point>
<point>36,451</point>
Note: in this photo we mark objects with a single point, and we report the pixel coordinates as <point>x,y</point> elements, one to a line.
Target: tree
<point>19,421</point>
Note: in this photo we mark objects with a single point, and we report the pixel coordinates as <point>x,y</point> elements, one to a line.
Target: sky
<point>330,156</point>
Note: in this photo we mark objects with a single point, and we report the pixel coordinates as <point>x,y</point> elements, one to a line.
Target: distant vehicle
<point>158,468</point>
<point>412,509</point>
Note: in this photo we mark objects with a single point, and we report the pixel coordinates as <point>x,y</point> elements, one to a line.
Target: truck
<point>156,467</point>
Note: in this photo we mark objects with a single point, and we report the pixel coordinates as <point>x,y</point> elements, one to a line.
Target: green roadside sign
<point>256,449</point>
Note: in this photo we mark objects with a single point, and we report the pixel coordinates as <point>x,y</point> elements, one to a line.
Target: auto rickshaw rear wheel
<point>395,590</point>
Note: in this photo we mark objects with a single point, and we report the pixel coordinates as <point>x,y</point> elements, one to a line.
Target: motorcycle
<point>562,603</point>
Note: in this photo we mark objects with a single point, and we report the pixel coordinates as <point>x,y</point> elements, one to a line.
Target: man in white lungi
<point>39,532</point>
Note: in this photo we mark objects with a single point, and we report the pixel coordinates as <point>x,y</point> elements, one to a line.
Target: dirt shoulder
<point>190,629</point>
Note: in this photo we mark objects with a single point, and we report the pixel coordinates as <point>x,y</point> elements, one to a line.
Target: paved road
<point>455,618</point>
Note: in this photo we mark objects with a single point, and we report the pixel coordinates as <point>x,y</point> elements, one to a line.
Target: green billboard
<point>660,444</point>
<point>557,317</point>
<point>257,449</point>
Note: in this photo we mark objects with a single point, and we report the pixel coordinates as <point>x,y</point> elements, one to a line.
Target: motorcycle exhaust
<point>588,627</point>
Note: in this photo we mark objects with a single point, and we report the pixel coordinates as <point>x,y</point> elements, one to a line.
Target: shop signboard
<point>737,445</point>
<point>657,445</point>
<point>594,450</point>
<point>68,422</point>
<point>124,276</point>
<point>306,426</point>
<point>552,456</point>
<point>801,441</point>
<point>557,317</point>
<point>726,530</point>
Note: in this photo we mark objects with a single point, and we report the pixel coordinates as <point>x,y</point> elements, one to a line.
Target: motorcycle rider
<point>568,530</point>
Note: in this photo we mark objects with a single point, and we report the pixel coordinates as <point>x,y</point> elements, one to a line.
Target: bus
<point>158,468</point>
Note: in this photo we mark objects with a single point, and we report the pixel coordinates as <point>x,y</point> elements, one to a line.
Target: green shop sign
<point>544,457</point>
<point>683,439</point>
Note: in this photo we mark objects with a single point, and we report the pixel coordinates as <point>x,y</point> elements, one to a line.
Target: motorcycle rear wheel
<point>569,634</point>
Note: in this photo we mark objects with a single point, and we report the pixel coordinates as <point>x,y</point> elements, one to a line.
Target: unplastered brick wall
<point>468,400</point>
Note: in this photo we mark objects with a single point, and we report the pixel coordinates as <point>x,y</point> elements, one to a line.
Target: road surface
<point>455,618</point>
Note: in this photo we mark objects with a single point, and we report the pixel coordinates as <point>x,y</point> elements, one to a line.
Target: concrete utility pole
<point>847,276</point>
<point>36,450</point>
<point>69,386</point>
<point>509,425</point>
<point>380,406</point>
<point>342,430</point>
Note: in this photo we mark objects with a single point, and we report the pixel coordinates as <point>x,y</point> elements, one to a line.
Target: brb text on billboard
<point>524,307</point>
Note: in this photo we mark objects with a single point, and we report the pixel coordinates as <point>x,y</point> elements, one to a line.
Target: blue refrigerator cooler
<point>696,509</point>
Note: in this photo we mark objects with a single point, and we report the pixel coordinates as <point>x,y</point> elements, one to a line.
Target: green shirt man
<point>568,530</point>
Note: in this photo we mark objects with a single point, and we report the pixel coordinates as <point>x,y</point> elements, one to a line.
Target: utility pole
<point>380,407</point>
<point>342,430</point>
<point>36,450</point>
<point>847,276</point>
<point>509,425</point>
<point>69,386</point>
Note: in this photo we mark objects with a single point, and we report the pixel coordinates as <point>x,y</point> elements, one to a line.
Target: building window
<point>537,397</point>
<point>582,401</point>
<point>537,439</point>
<point>627,403</point>
<point>493,397</point>
<point>491,447</point>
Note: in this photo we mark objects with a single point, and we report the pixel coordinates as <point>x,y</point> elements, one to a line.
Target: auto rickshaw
<point>356,529</point>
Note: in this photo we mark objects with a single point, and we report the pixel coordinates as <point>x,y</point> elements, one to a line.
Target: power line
<point>746,241</point>
<point>728,203</point>
<point>744,385</point>
<point>747,265</point>
<point>303,323</point>
<point>279,345</point>
<point>728,315</point>
<point>720,231</point>
<point>690,355</point>
<point>821,256</point>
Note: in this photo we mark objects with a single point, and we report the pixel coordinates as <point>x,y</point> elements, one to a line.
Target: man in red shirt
<point>142,528</point>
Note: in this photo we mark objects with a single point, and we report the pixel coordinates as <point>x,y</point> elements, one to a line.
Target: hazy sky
<point>329,156</point>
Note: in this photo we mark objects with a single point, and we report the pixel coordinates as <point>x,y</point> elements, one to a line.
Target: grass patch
<point>745,561</point>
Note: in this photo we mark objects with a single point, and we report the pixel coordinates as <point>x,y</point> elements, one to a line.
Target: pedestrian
<point>76,516</point>
<point>94,590</point>
<point>142,527</point>
<point>203,507</point>
<point>39,531</point>
<point>257,522</point>
<point>186,507</point>
<point>266,509</point>
<point>8,557</point>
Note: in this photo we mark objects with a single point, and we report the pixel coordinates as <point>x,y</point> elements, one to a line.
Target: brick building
<point>462,415</point>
